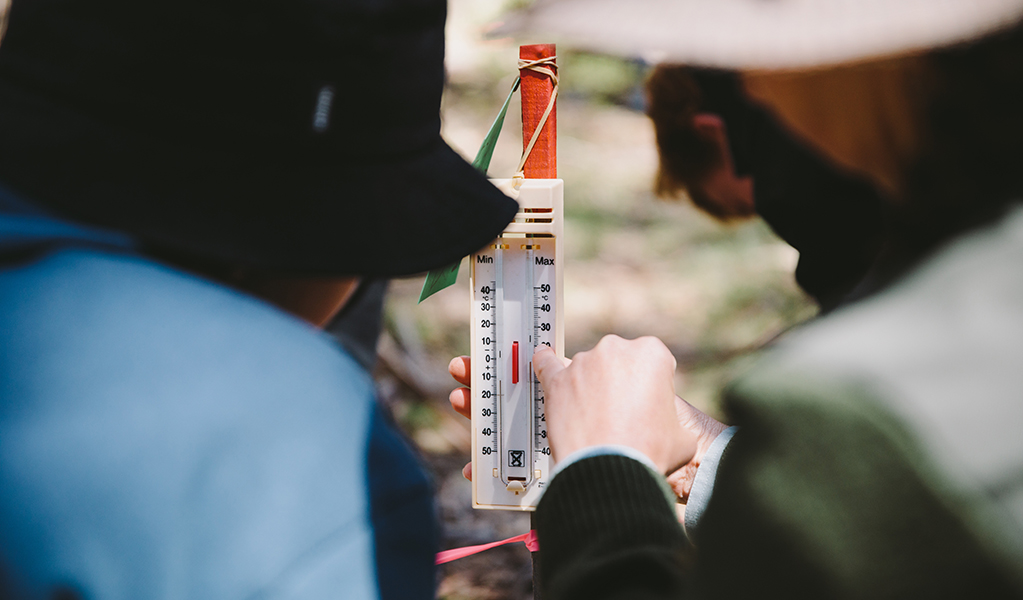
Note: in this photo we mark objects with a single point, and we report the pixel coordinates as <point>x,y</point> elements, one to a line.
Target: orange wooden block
<point>536,91</point>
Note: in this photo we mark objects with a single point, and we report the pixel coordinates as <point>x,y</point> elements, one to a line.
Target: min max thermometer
<point>516,287</point>
<point>516,292</point>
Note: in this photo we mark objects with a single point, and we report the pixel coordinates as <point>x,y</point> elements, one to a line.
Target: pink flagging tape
<point>528,538</point>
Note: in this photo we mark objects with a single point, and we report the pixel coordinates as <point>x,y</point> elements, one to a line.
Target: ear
<point>712,127</point>
<point>734,195</point>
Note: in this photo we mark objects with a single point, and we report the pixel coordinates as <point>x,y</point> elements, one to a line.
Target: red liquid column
<point>515,362</point>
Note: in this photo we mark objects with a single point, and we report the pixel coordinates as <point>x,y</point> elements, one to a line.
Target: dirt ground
<point>635,265</point>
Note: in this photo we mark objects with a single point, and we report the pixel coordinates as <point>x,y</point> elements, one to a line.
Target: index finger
<point>547,364</point>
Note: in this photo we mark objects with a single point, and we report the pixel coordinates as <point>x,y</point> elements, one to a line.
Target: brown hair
<point>686,157</point>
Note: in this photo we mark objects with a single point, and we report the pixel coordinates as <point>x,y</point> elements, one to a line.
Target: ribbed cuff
<point>606,510</point>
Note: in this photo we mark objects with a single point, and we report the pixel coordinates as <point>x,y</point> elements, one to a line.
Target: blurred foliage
<point>599,78</point>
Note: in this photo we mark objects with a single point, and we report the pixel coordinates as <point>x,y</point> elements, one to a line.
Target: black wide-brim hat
<point>299,136</point>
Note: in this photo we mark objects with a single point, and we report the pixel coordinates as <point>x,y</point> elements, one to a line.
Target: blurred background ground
<point>635,265</point>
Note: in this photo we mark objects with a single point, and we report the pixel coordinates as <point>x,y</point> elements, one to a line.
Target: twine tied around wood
<point>547,67</point>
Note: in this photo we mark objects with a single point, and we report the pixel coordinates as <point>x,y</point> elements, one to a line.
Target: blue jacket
<point>162,436</point>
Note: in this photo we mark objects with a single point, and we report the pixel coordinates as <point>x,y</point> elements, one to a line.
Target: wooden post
<point>536,95</point>
<point>542,162</point>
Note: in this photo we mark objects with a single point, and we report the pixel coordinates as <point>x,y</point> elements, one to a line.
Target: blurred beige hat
<point>760,34</point>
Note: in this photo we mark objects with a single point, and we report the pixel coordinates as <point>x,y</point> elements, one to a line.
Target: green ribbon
<point>438,279</point>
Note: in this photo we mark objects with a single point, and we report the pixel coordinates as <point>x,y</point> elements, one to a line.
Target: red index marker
<point>515,362</point>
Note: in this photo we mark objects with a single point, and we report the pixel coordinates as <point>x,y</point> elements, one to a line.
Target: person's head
<point>734,160</point>
<point>261,142</point>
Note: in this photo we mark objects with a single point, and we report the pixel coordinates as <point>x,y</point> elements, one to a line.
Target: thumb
<point>546,364</point>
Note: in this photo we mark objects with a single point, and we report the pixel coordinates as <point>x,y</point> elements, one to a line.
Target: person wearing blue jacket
<point>187,190</point>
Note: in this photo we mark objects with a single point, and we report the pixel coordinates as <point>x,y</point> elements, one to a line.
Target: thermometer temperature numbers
<point>516,287</point>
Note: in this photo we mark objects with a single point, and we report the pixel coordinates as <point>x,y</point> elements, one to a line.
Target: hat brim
<point>316,214</point>
<point>761,35</point>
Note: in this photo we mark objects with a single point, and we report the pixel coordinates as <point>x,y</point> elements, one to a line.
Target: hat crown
<point>297,136</point>
<point>278,77</point>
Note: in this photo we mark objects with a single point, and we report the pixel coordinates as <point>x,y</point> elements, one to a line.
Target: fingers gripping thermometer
<point>516,287</point>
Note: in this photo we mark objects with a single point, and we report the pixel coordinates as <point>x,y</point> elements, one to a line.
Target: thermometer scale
<point>516,287</point>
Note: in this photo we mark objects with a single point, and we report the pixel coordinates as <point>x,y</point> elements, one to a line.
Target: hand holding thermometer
<point>516,288</point>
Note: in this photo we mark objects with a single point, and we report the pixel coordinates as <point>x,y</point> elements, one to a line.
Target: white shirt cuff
<point>703,482</point>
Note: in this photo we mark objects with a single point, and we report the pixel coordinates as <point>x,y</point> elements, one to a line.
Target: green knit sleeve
<point>608,530</point>
<point>823,493</point>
